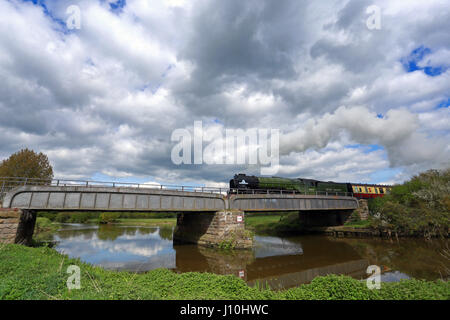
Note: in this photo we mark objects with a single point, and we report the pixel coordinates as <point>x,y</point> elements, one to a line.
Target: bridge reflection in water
<point>279,263</point>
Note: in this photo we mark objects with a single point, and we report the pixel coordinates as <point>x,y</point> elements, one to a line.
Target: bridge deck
<point>92,198</point>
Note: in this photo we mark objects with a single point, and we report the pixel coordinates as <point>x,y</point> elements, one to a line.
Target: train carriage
<point>241,183</point>
<point>368,191</point>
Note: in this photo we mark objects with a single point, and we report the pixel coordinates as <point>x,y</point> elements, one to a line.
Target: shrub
<point>45,214</point>
<point>80,217</point>
<point>75,217</point>
<point>62,217</point>
<point>109,217</point>
<point>419,206</point>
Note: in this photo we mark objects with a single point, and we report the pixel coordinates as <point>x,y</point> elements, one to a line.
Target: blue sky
<point>420,54</point>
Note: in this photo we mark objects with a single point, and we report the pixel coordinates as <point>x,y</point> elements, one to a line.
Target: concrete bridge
<point>207,216</point>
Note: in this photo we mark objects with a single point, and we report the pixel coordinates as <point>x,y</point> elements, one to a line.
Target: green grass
<point>256,221</point>
<point>94,216</point>
<point>44,228</point>
<point>288,224</point>
<point>40,273</point>
<point>359,224</point>
<point>283,224</point>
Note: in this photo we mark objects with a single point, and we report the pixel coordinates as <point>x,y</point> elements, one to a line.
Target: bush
<point>80,217</point>
<point>146,215</point>
<point>354,217</point>
<point>109,217</point>
<point>75,217</point>
<point>44,225</point>
<point>419,206</point>
<point>62,217</point>
<point>48,215</point>
<point>43,230</point>
<point>375,205</point>
<point>83,217</point>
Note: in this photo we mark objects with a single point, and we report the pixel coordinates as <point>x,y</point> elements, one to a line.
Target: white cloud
<point>110,94</point>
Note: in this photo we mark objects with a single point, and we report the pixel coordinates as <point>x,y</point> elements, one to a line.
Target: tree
<point>27,163</point>
<point>420,205</point>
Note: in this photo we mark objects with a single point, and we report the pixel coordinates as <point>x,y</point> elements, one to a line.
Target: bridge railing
<point>9,183</point>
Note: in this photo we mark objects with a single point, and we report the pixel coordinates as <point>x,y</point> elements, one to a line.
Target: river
<point>281,262</point>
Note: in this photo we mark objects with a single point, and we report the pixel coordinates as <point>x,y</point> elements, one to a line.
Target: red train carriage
<point>367,191</point>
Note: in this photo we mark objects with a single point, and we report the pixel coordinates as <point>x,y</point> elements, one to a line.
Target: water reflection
<point>319,257</point>
<point>113,247</point>
<point>274,246</point>
<point>281,262</point>
<point>393,276</point>
<point>416,258</point>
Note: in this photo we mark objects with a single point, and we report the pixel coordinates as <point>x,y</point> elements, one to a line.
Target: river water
<point>282,262</point>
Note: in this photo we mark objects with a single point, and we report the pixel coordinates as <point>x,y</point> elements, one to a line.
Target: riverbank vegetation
<point>275,224</point>
<point>41,273</point>
<point>420,206</point>
<point>106,217</point>
<point>44,229</point>
<point>148,222</point>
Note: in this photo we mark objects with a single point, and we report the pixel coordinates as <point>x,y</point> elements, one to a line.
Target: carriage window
<point>381,190</point>
<point>366,189</point>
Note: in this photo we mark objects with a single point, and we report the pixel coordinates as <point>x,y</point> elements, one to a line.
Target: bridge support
<point>363,209</point>
<point>17,226</point>
<point>324,218</point>
<point>224,229</point>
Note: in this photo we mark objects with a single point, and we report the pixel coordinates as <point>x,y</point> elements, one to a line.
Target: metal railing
<point>9,183</point>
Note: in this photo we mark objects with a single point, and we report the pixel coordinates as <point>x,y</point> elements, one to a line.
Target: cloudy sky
<point>352,102</point>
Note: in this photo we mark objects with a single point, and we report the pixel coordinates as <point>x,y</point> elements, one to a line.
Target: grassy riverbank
<point>44,228</point>
<point>40,273</point>
<point>97,216</point>
<point>282,224</point>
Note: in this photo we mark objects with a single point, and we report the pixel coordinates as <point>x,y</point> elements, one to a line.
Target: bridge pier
<point>363,209</point>
<point>323,218</point>
<point>17,225</point>
<point>224,228</point>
